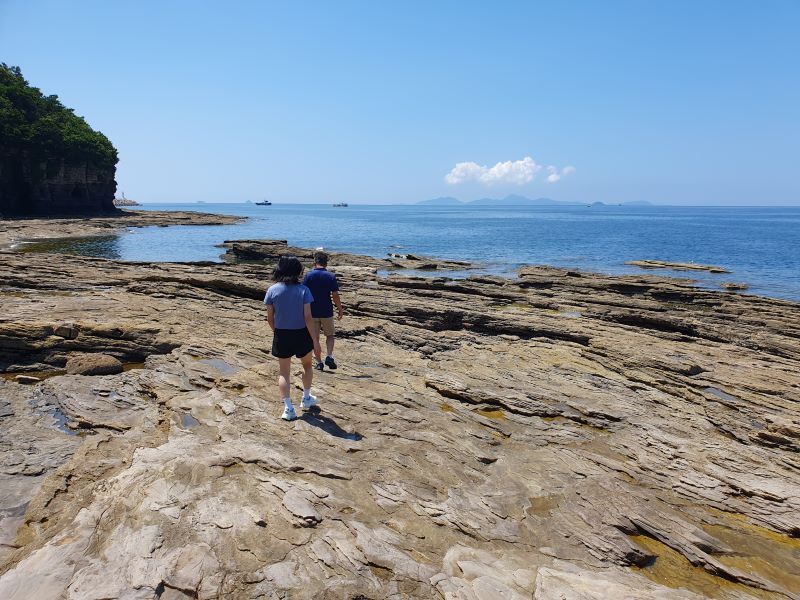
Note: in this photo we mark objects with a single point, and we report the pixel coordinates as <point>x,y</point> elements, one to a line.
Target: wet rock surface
<point>560,435</point>
<point>15,231</point>
<point>676,266</point>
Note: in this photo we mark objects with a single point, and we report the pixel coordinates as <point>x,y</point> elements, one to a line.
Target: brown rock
<point>67,331</point>
<point>676,266</point>
<point>559,435</point>
<point>733,286</point>
<point>93,364</point>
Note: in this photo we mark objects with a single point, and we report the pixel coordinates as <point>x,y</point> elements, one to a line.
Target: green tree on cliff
<point>43,128</point>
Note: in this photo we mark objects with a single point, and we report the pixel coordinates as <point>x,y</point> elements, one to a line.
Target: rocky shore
<point>15,231</point>
<point>562,435</point>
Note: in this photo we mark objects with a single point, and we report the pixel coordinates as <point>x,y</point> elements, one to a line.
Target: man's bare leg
<point>317,352</point>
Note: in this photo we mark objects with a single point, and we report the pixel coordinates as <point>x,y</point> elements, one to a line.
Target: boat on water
<point>264,203</point>
<point>340,204</point>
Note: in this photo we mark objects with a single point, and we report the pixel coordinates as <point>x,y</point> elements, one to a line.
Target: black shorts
<point>291,342</point>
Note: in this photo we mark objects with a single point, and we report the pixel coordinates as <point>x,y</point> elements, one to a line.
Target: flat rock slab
<point>676,266</point>
<point>560,435</point>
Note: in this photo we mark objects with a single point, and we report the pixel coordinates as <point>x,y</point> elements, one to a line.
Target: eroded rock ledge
<point>561,435</point>
<point>13,231</point>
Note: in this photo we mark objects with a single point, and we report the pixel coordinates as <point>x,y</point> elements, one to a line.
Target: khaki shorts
<point>325,325</point>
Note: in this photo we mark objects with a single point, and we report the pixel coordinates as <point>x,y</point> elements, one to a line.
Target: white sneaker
<point>288,413</point>
<point>308,402</point>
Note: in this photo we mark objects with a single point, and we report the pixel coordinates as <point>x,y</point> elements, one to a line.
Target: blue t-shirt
<point>288,300</point>
<point>322,283</point>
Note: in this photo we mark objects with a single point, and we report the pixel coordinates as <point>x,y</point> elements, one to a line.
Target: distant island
<point>516,200</point>
<point>51,161</point>
<point>442,201</point>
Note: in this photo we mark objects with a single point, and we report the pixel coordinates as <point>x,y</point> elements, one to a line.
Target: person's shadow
<point>317,419</point>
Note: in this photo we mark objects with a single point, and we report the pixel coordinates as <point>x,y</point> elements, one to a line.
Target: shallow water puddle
<point>188,421</point>
<point>492,413</point>
<point>760,550</point>
<point>103,246</point>
<point>61,421</point>
<point>722,395</point>
<point>42,375</point>
<point>220,365</point>
<point>10,375</point>
<point>673,570</point>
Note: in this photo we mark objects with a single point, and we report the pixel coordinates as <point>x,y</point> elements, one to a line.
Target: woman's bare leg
<point>285,365</point>
<point>308,371</point>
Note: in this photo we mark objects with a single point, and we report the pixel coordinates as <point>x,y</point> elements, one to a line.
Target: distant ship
<point>264,203</point>
<point>341,205</point>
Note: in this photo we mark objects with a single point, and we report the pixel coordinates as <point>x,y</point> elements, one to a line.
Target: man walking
<point>324,288</point>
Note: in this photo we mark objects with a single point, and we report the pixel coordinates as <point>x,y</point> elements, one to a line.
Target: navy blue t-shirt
<point>322,283</point>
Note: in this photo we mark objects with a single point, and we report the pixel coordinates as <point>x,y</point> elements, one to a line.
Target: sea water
<point>760,246</point>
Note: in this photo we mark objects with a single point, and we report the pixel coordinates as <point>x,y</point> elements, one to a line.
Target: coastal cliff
<point>559,435</point>
<point>51,161</point>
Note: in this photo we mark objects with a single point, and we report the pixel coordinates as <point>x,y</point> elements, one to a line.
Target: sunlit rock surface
<point>559,435</point>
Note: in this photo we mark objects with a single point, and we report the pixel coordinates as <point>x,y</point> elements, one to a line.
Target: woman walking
<point>289,315</point>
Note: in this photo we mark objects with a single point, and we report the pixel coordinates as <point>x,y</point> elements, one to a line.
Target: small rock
<point>26,379</point>
<point>93,364</point>
<point>67,331</point>
<point>226,406</point>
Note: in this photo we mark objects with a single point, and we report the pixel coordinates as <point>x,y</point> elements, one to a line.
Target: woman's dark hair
<point>288,270</point>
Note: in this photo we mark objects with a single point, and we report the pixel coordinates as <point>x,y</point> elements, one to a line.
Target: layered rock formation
<point>559,435</point>
<point>54,186</point>
<point>51,161</point>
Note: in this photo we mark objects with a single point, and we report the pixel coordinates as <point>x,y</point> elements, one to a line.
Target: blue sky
<point>685,102</point>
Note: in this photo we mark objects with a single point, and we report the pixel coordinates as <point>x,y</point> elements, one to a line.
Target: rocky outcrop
<point>54,187</point>
<point>272,250</point>
<point>560,435</point>
<point>51,161</point>
<point>125,202</point>
<point>676,266</point>
<point>14,232</point>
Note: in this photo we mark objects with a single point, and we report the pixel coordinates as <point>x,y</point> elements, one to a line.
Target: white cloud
<point>554,175</point>
<point>518,172</point>
<point>465,171</point>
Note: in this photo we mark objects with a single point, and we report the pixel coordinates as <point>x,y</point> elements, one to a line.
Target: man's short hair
<point>320,258</point>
